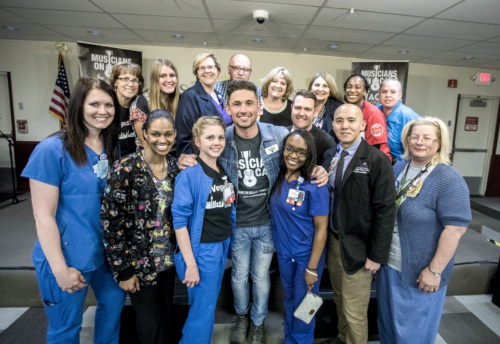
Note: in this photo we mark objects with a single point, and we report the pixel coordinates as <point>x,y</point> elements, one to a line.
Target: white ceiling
<point>433,31</point>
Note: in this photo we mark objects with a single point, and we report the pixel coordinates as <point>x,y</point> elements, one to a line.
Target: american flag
<point>60,97</point>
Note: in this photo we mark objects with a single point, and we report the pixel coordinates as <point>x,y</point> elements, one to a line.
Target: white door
<point>475,127</point>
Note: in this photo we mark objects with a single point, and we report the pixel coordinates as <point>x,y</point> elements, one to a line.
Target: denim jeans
<point>253,250</point>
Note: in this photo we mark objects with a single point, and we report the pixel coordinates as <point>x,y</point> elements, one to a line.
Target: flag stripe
<point>60,96</point>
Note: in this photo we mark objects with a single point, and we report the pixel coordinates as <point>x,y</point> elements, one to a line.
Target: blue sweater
<point>442,201</point>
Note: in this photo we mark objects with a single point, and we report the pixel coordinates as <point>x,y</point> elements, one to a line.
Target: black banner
<point>377,72</point>
<point>98,60</point>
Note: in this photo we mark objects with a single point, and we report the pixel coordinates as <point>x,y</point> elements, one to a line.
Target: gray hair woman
<point>433,214</point>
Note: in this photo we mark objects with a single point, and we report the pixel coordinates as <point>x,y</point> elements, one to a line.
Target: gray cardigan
<point>443,200</point>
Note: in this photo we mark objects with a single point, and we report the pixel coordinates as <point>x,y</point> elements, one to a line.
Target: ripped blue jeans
<point>252,252</point>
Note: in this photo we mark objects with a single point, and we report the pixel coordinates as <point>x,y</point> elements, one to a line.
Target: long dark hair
<point>75,133</point>
<point>306,169</point>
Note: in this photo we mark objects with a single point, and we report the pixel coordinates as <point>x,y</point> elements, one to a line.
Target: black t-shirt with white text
<point>217,220</point>
<point>253,184</point>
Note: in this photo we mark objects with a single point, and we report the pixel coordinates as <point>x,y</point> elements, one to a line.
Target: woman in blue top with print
<point>204,216</point>
<point>299,212</point>
<point>67,173</point>
<point>433,212</point>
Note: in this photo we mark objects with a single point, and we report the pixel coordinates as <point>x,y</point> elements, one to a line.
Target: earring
<point>116,88</point>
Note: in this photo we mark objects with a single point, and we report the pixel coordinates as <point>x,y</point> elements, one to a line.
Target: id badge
<point>295,197</point>
<point>229,193</point>
<point>101,169</point>
<point>414,189</point>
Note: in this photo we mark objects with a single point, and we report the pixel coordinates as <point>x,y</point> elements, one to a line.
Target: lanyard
<point>408,185</point>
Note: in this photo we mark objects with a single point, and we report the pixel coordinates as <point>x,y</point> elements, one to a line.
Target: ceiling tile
<point>30,29</point>
<point>412,54</point>
<point>107,33</point>
<point>190,38</point>
<point>66,5</point>
<point>424,8</point>
<point>176,8</point>
<point>296,2</point>
<point>455,29</point>
<point>7,18</point>
<point>346,35</point>
<point>426,42</point>
<point>479,11</point>
<point>254,29</point>
<point>366,20</point>
<point>164,23</point>
<point>86,19</point>
<point>33,37</point>
<point>481,48</point>
<point>320,45</point>
<point>459,56</point>
<point>278,13</point>
<point>495,39</point>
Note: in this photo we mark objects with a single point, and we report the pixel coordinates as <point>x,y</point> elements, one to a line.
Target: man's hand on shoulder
<point>186,160</point>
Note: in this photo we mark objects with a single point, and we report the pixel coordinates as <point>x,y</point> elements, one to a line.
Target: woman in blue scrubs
<point>204,217</point>
<point>67,173</point>
<point>299,212</point>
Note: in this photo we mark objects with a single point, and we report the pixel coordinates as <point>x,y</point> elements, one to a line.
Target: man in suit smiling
<point>361,220</point>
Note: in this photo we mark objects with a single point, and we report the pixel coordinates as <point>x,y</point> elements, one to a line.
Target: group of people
<point>141,186</point>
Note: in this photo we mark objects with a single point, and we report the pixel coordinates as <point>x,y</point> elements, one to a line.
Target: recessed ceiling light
<point>10,28</point>
<point>404,51</point>
<point>468,57</point>
<point>178,36</point>
<point>258,40</point>
<point>333,45</point>
<point>95,33</point>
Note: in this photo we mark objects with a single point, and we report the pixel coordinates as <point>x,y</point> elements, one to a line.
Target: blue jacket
<point>442,201</point>
<point>193,103</point>
<point>272,140</point>
<point>192,188</point>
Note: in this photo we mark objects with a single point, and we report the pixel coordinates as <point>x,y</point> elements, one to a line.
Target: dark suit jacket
<point>363,210</point>
<point>193,103</point>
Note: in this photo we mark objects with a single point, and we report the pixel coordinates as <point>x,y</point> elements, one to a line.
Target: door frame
<point>488,178</point>
<point>493,185</point>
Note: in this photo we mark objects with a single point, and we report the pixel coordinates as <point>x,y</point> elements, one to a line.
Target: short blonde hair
<point>200,58</point>
<point>330,81</point>
<point>443,154</point>
<point>276,73</point>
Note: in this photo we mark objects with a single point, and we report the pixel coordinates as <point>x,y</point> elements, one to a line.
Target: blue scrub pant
<point>65,310</point>
<point>292,272</point>
<point>405,314</point>
<point>211,261</point>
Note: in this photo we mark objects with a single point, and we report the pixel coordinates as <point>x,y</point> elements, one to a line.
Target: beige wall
<point>33,67</point>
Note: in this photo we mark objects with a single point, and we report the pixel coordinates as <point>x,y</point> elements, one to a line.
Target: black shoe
<point>334,340</point>
<point>257,334</point>
<point>240,330</point>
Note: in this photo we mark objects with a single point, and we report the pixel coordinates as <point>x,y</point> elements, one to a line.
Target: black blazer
<point>331,106</point>
<point>193,103</point>
<point>364,208</point>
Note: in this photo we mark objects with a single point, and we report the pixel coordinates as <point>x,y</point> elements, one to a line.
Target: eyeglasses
<point>415,139</point>
<point>300,153</point>
<point>126,80</point>
<point>207,68</point>
<point>241,69</point>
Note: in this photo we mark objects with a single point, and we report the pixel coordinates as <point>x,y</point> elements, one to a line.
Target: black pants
<point>153,308</point>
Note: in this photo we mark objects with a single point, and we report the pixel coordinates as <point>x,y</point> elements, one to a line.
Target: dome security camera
<point>260,16</point>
